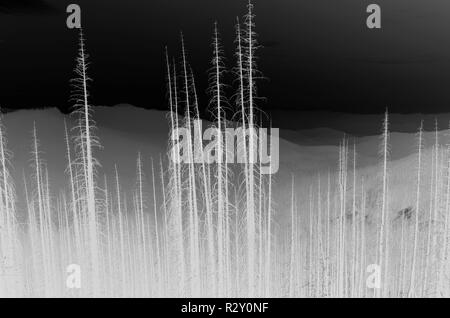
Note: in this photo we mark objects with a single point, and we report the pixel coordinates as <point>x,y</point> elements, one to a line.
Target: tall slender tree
<point>87,142</point>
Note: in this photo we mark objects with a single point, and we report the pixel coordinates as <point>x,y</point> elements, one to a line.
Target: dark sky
<point>318,54</point>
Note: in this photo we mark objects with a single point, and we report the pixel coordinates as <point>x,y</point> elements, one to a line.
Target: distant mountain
<point>125,130</point>
<point>357,124</point>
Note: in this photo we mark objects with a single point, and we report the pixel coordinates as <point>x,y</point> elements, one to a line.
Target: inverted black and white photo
<point>250,149</point>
